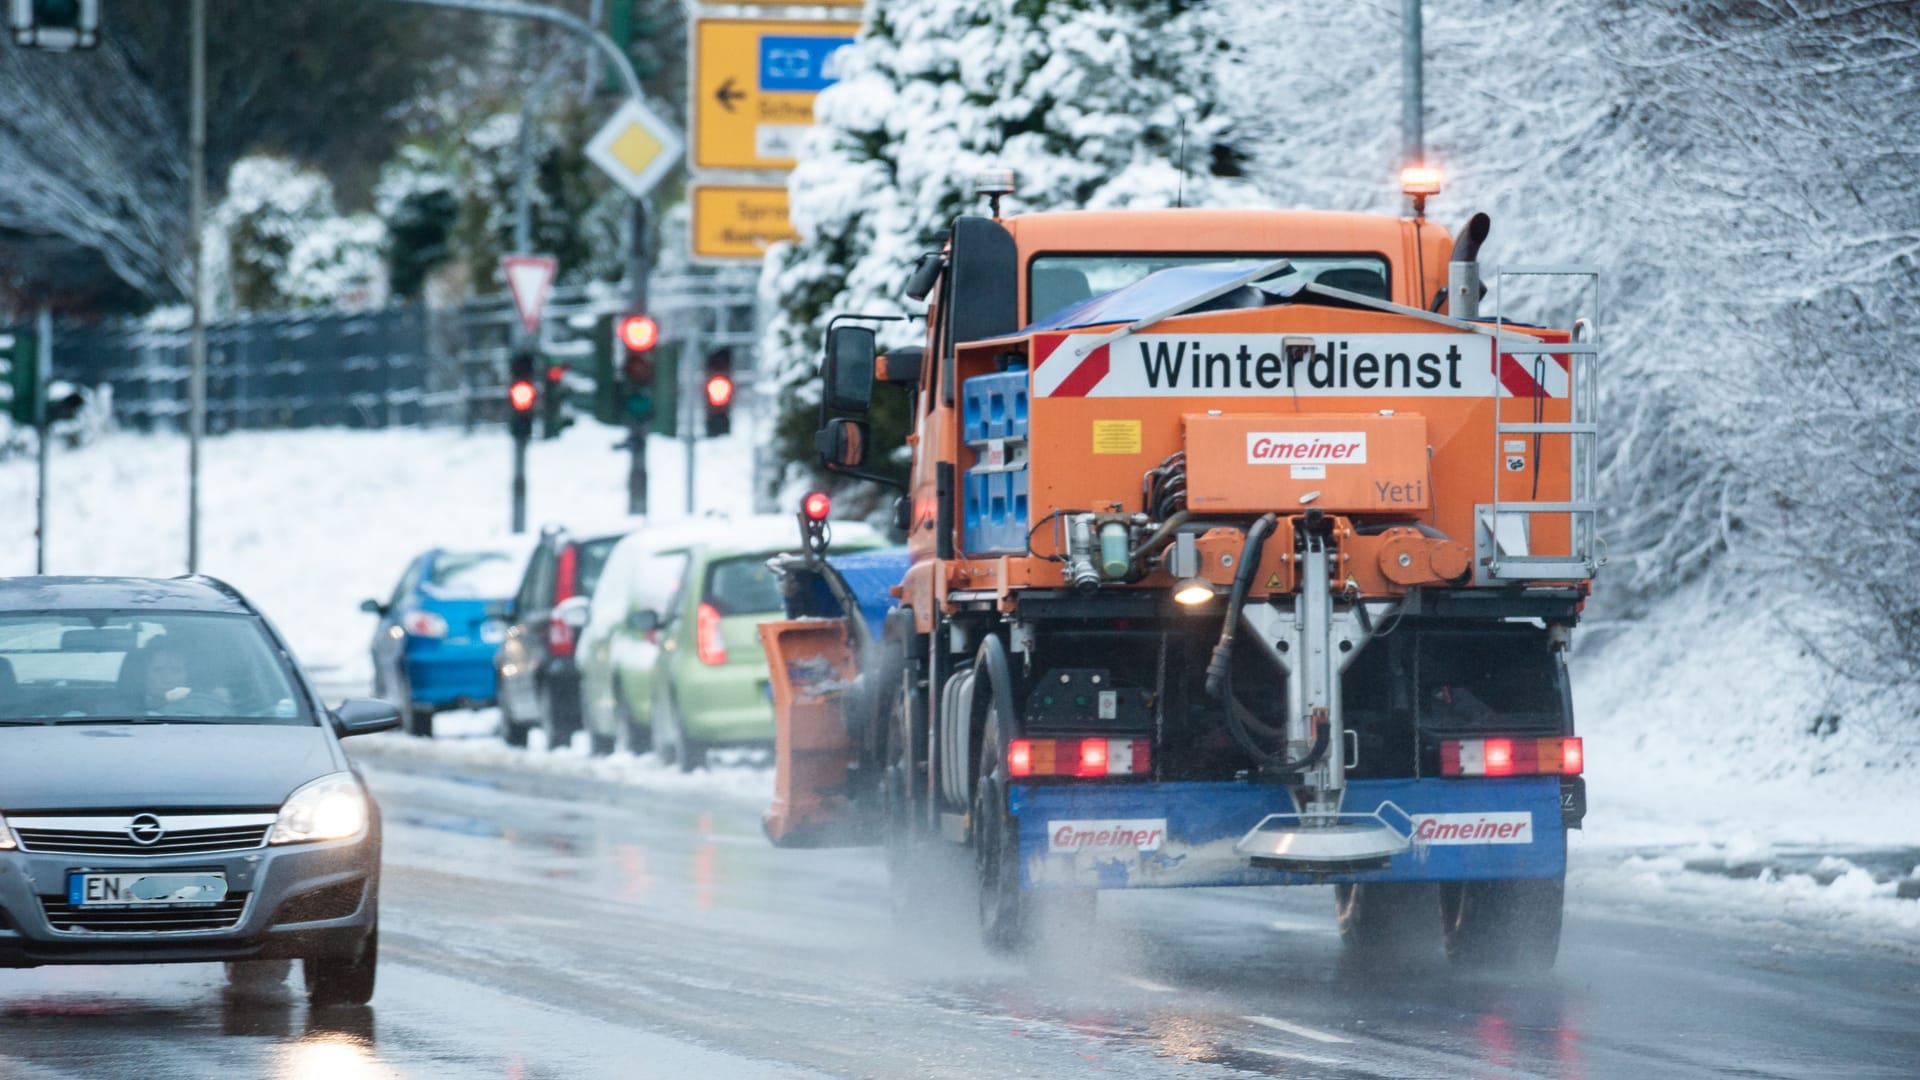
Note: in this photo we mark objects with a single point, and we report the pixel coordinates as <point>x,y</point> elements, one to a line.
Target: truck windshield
<point>1057,281</point>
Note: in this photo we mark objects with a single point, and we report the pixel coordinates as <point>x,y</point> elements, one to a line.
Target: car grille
<point>71,918</point>
<point>185,834</point>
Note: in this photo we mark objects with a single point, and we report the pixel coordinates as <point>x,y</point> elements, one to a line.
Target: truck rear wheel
<point>1502,924</point>
<point>1005,924</point>
<point>1387,919</point>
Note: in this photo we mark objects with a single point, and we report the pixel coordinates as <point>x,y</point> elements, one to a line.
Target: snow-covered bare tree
<point>1090,103</point>
<point>93,209</point>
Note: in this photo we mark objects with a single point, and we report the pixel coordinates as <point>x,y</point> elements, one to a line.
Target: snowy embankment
<point>1708,784</point>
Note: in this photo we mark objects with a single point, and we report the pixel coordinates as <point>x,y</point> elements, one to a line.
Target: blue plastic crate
<point>995,517</point>
<point>994,406</point>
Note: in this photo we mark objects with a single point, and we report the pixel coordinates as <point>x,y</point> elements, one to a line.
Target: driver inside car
<point>169,686</point>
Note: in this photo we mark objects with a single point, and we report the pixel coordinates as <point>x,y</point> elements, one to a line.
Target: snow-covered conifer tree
<point>1089,102</point>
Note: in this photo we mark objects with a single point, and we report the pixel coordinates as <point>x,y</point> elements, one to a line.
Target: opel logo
<point>145,830</point>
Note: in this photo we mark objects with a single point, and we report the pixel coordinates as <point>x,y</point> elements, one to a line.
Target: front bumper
<point>1172,835</point>
<point>292,901</point>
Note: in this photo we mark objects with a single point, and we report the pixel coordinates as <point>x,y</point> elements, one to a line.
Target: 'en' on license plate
<point>121,890</point>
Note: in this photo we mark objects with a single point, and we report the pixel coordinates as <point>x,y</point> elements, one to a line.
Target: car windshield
<point>472,575</point>
<point>743,586</point>
<point>1056,282</point>
<point>133,666</point>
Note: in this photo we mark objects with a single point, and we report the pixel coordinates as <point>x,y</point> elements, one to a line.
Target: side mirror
<point>902,366</point>
<point>925,273</point>
<point>573,611</point>
<point>848,374</point>
<point>364,716</point>
<point>642,621</point>
<point>843,442</point>
<point>373,607</point>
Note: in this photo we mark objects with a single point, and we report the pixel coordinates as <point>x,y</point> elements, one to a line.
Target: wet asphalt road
<point>540,926</point>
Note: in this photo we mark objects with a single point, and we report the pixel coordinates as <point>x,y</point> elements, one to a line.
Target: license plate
<point>493,632</point>
<point>132,890</point>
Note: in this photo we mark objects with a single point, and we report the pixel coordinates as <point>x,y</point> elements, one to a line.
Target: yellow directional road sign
<point>754,82</point>
<point>738,222</point>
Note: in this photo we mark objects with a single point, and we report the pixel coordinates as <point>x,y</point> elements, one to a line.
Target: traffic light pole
<point>639,266</point>
<point>691,374</point>
<point>43,368</point>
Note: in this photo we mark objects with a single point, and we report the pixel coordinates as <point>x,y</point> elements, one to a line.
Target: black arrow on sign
<point>727,95</point>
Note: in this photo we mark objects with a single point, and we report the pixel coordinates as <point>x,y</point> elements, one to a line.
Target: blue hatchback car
<point>434,646</point>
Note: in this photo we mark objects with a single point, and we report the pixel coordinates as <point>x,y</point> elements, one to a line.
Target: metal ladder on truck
<point>1502,532</point>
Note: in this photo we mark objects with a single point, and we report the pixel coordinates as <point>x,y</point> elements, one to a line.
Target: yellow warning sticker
<point>1273,580</point>
<point>1116,436</point>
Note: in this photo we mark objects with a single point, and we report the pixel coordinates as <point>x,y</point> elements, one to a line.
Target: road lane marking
<point>1146,984</point>
<point>1288,1055</point>
<point>1296,1029</point>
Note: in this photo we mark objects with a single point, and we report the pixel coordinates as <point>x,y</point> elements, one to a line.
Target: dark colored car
<point>172,788</point>
<point>433,647</point>
<point>535,669</point>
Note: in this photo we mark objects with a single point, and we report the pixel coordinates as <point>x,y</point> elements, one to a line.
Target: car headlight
<point>333,807</point>
<point>7,842</point>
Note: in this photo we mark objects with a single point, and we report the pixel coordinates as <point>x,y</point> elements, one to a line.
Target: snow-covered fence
<point>311,368</point>
<point>383,367</point>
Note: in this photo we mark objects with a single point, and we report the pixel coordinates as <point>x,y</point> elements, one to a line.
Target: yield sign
<point>531,279</point>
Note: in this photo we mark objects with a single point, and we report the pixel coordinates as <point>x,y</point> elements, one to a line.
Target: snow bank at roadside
<point>467,738</point>
<point>309,523</point>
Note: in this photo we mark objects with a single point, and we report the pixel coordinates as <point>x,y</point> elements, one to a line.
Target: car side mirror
<point>642,621</point>
<point>843,442</point>
<point>364,716</point>
<point>574,611</point>
<point>373,607</point>
<point>847,376</point>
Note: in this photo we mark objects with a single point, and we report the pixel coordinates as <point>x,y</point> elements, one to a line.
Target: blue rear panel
<point>1183,834</point>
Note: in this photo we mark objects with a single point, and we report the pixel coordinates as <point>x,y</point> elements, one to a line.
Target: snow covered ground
<point>1708,782</point>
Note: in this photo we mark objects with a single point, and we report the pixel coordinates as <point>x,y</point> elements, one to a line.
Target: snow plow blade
<point>811,662</point>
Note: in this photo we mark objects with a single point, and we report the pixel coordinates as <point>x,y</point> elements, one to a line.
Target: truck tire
<point>1005,925</point>
<point>1388,919</point>
<point>1502,924</point>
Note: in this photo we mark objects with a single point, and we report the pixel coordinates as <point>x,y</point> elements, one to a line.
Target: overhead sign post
<point>738,221</point>
<point>636,148</point>
<point>754,81</point>
<point>530,279</point>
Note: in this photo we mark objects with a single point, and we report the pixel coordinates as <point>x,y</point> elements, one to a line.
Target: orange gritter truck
<point>1243,548</point>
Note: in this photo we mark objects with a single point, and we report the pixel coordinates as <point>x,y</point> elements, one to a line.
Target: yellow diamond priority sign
<point>636,148</point>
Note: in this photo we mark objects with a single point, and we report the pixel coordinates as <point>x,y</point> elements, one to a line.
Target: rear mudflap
<point>1173,835</point>
<point>811,663</point>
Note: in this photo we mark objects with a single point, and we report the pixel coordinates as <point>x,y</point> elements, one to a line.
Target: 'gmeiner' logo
<point>1306,447</point>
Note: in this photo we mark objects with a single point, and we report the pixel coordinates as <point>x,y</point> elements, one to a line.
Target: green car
<point>671,657</point>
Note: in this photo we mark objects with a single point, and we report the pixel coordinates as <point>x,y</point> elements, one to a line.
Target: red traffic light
<point>817,505</point>
<point>719,391</point>
<point>639,332</point>
<point>520,395</point>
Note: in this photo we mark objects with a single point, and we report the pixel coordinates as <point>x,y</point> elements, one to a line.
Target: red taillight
<point>1093,757</point>
<point>1553,756</point>
<point>817,505</point>
<point>1020,758</point>
<point>1085,758</point>
<point>566,576</point>
<point>707,640</point>
<point>1498,754</point>
<point>424,624</point>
